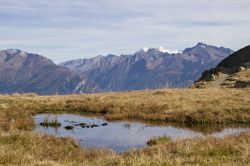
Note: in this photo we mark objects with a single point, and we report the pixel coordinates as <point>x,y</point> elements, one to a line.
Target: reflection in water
<point>127,126</point>
<point>120,136</point>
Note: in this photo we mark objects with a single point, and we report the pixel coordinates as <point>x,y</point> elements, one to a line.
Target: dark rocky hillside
<point>233,72</point>
<point>238,59</point>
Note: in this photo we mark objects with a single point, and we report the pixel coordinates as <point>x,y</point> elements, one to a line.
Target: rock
<point>82,125</point>
<point>208,75</point>
<point>94,125</point>
<point>231,78</point>
<point>213,77</point>
<point>242,84</point>
<point>242,69</point>
<point>69,127</point>
<point>104,124</point>
<point>247,65</point>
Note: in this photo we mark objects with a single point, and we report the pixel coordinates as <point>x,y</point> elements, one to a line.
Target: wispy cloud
<point>68,29</point>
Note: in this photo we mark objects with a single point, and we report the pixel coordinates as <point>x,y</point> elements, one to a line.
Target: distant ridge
<point>22,72</point>
<point>149,68</point>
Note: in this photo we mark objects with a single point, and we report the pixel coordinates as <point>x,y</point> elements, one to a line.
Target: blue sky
<point>70,29</point>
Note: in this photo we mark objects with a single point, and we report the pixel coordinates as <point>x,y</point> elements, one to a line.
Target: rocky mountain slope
<point>21,72</point>
<point>232,72</point>
<point>149,68</point>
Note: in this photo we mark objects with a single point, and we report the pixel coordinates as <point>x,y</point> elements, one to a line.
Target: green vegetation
<point>20,146</point>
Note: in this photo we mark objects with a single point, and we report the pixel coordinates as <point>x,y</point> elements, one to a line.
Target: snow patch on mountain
<point>12,51</point>
<point>164,50</point>
<point>145,49</point>
<point>78,88</point>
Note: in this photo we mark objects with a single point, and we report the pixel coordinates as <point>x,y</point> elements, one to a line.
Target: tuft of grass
<point>50,123</point>
<point>157,141</point>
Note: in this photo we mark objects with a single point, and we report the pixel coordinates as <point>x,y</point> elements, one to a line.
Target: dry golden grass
<point>243,75</point>
<point>170,105</point>
<point>20,146</point>
<point>25,148</point>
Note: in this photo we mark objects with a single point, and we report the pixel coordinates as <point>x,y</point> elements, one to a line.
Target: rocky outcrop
<point>233,72</point>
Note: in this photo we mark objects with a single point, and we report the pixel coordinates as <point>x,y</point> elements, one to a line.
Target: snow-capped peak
<point>162,49</point>
<point>145,49</point>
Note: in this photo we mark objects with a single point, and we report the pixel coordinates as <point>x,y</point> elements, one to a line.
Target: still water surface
<point>122,135</point>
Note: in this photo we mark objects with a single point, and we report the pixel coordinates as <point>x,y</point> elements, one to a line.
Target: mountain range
<point>22,72</point>
<point>149,68</point>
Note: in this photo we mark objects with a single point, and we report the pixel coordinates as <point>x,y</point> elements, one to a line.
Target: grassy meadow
<point>20,146</point>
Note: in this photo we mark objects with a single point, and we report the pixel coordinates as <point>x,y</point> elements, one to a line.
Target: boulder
<point>241,68</point>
